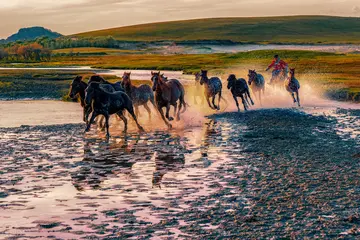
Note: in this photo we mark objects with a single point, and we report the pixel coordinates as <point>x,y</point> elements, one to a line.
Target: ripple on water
<point>83,186</point>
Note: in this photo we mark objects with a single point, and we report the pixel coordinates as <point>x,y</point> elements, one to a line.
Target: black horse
<point>77,87</point>
<point>239,88</point>
<point>108,103</point>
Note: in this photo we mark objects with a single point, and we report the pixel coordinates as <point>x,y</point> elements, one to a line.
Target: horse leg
<point>130,109</point>
<point>293,96</point>
<point>168,112</point>
<point>237,103</point>
<point>298,98</point>
<point>248,94</point>
<point>208,101</point>
<point>107,125</point>
<point>243,102</point>
<point>218,108</point>
<point>148,110</point>
<point>213,102</point>
<point>121,115</point>
<point>94,115</point>
<point>178,113</point>
<point>163,117</point>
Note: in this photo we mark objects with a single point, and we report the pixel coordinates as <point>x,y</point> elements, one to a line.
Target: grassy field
<point>337,74</point>
<point>291,29</point>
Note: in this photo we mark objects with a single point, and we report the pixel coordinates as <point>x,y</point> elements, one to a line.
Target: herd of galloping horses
<point>99,97</point>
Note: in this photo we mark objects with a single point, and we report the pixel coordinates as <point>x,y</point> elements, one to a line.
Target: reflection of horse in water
<point>102,162</point>
<point>97,167</point>
<point>211,134</point>
<point>171,161</point>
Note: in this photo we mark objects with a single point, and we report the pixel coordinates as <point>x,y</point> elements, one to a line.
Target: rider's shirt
<point>280,65</point>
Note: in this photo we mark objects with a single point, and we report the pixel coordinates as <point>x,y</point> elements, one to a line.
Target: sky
<point>75,16</point>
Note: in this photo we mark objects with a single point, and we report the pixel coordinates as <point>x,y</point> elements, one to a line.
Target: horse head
<point>292,72</point>
<point>231,79</point>
<point>90,92</point>
<point>197,77</point>
<point>126,78</point>
<point>163,78</point>
<point>204,77</point>
<point>75,86</point>
<point>155,78</point>
<point>252,76</point>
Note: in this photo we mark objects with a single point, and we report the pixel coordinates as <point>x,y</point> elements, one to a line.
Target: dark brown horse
<point>213,87</point>
<point>77,87</point>
<point>168,93</point>
<point>292,85</point>
<point>239,88</point>
<point>107,103</point>
<point>139,95</point>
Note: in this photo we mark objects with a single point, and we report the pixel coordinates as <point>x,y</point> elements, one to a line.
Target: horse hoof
<point>141,129</point>
<point>171,119</point>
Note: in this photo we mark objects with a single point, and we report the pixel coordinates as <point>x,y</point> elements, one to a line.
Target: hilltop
<point>289,29</point>
<point>32,33</point>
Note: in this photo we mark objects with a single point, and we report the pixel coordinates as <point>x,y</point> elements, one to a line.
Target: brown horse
<point>168,93</point>
<point>139,95</point>
<point>213,87</point>
<point>292,85</point>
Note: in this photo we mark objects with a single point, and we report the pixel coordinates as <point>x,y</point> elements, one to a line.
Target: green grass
<point>289,29</point>
<point>334,73</point>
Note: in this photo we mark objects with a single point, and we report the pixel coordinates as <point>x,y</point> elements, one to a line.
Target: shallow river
<point>268,172</point>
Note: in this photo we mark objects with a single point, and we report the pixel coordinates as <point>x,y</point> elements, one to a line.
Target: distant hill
<point>32,33</point>
<point>290,29</point>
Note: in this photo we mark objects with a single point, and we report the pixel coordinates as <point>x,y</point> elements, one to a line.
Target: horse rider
<point>280,67</point>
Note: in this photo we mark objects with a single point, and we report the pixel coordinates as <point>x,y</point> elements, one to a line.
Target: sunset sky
<point>74,16</point>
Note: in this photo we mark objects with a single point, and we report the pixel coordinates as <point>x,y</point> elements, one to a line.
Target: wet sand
<point>266,173</point>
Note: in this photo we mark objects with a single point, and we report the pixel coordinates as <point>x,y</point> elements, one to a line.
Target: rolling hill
<point>290,29</point>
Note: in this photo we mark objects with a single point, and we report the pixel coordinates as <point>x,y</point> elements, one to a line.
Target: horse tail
<point>182,99</point>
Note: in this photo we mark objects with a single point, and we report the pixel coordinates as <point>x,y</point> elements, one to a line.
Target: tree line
<point>27,52</point>
<point>41,48</point>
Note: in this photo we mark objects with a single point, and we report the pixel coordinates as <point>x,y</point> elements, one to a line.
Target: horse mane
<point>98,79</point>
